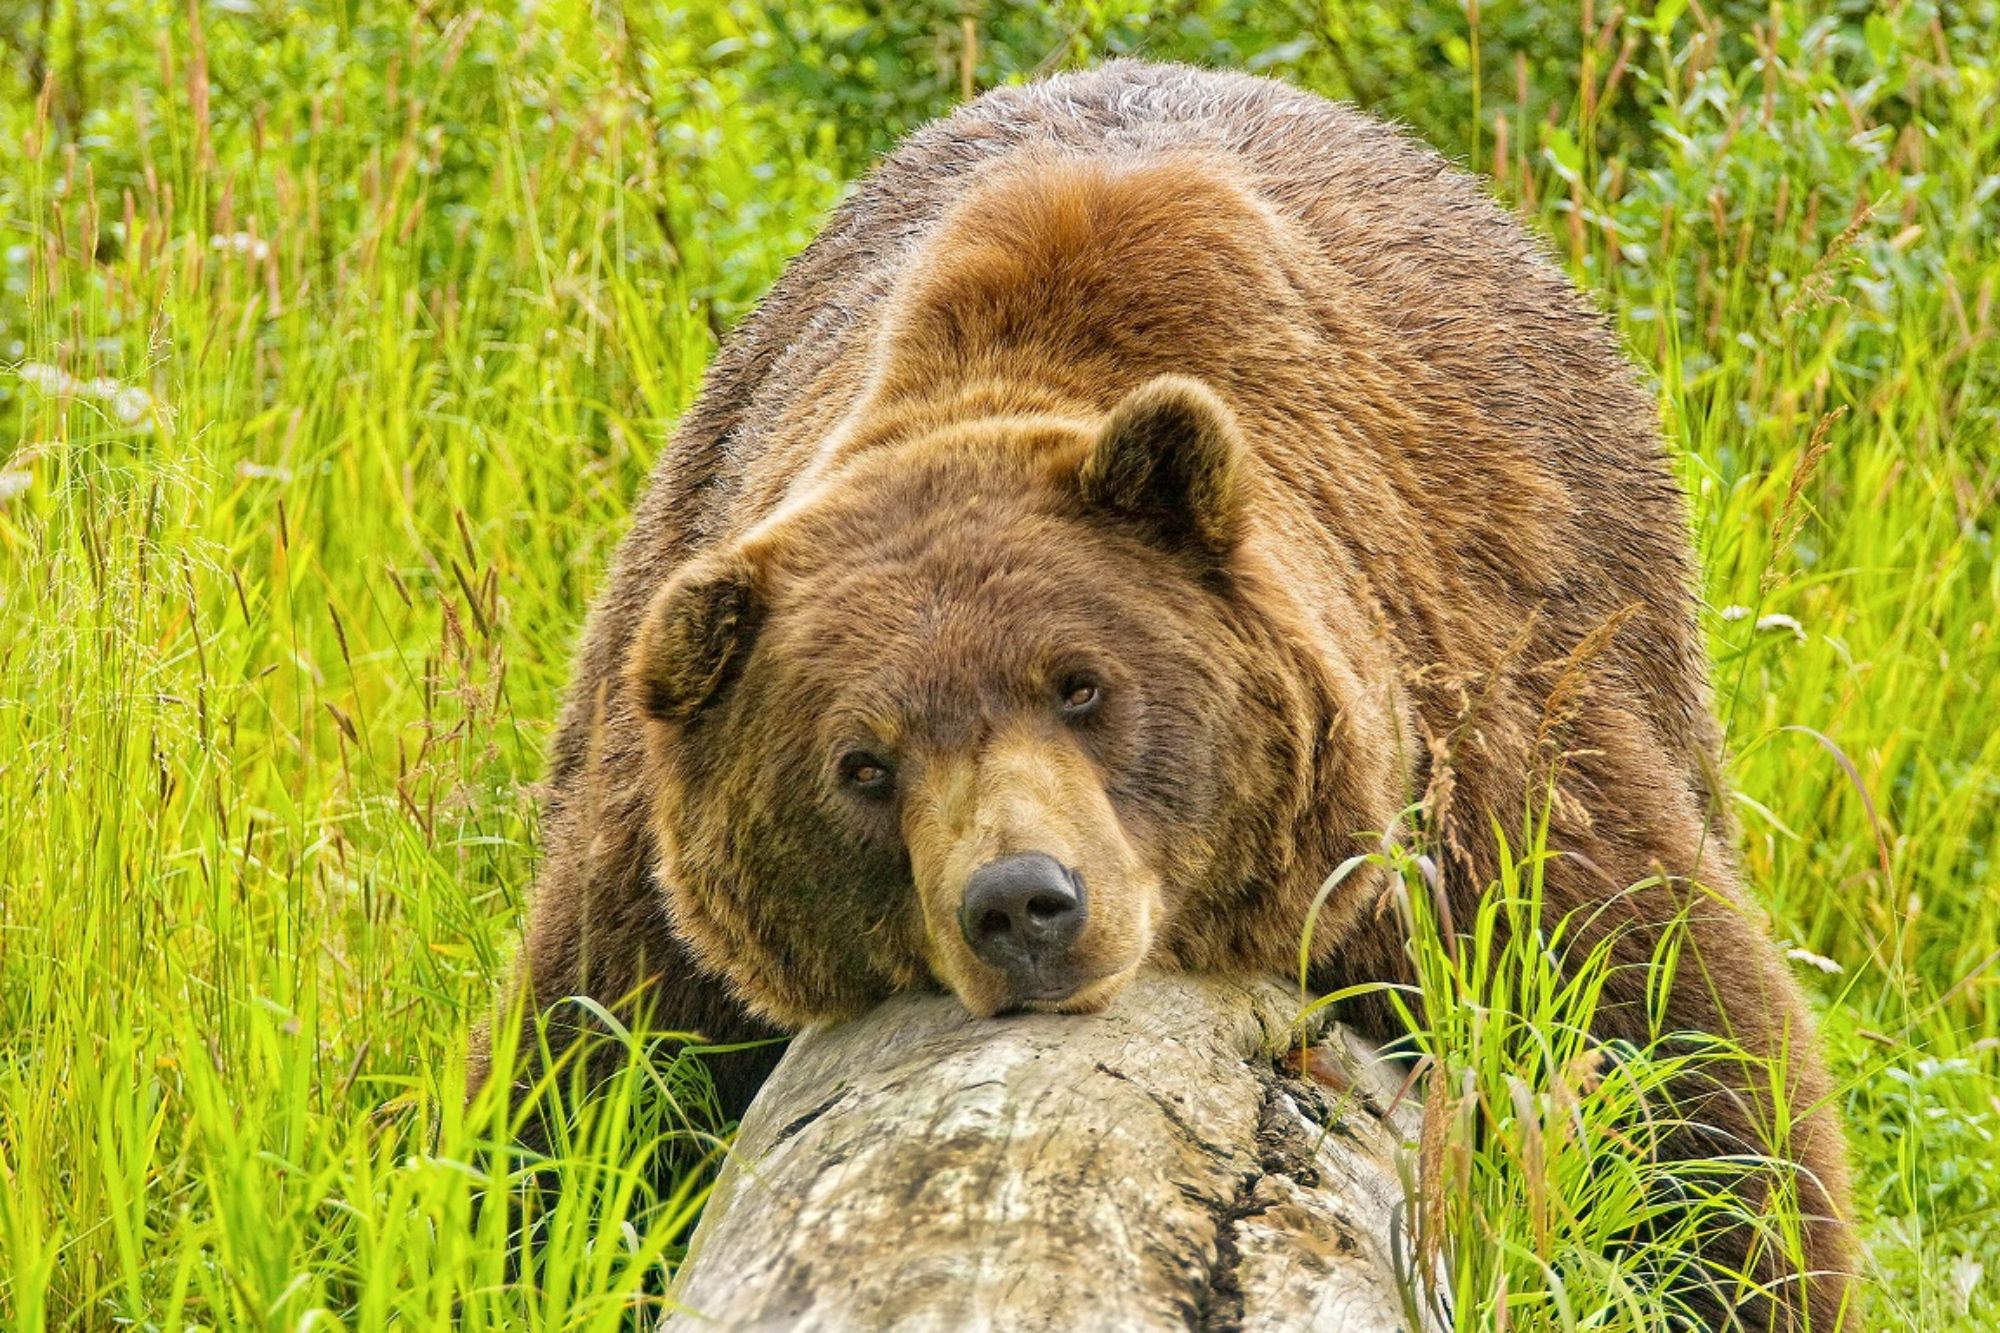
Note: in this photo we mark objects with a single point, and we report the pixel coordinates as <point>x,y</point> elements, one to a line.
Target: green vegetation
<point>335,340</point>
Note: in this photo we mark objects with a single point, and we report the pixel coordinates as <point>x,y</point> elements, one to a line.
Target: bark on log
<point>1148,1167</point>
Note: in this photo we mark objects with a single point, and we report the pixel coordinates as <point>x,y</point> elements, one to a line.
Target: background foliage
<point>335,339</point>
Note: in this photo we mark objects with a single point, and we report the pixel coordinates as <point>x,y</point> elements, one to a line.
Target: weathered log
<point>1148,1167</point>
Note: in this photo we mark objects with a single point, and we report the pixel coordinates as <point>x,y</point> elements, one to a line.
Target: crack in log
<point>1175,1116</point>
<point>1219,1304</point>
<point>793,1128</point>
<point>1283,1149</point>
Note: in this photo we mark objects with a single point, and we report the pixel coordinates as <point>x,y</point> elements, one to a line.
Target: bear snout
<point>1030,894</point>
<point>1022,915</point>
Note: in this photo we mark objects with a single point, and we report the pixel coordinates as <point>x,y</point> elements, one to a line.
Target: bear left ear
<point>1170,457</point>
<point>696,631</point>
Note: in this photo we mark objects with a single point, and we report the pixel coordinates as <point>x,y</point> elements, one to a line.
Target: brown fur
<point>1255,413</point>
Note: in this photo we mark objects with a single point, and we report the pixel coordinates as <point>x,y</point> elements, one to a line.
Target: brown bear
<point>1151,488</point>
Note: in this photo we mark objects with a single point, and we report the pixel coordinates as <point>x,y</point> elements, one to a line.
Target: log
<point>1148,1167</point>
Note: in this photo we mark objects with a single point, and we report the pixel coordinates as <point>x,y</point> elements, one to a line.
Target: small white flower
<point>128,402</point>
<point>1732,614</point>
<point>263,471</point>
<point>13,483</point>
<point>51,380</point>
<point>242,242</point>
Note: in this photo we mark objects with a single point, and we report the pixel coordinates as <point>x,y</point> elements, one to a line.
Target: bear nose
<point>1022,913</point>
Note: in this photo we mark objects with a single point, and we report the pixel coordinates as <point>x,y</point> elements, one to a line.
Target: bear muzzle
<point>1030,893</point>
<point>1023,915</point>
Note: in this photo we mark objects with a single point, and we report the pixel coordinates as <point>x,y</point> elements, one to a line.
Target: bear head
<point>1012,708</point>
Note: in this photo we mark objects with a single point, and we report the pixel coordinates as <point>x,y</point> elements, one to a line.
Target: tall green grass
<point>1548,1186</point>
<point>335,342</point>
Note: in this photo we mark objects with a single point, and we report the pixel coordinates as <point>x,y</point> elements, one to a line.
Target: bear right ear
<point>1169,457</point>
<point>698,626</point>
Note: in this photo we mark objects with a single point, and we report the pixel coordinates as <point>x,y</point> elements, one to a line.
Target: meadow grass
<point>335,344</point>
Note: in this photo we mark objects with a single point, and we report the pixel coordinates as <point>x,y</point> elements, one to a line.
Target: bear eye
<point>865,773</point>
<point>1079,696</point>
